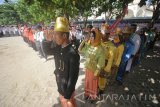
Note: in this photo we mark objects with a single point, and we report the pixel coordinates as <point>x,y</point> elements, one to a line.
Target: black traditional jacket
<point>67,69</point>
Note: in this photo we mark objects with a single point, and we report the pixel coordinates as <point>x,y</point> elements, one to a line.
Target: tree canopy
<point>8,15</point>
<point>34,11</point>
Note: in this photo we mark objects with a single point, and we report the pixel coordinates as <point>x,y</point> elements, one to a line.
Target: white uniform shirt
<point>137,42</point>
<point>40,36</point>
<point>5,30</point>
<point>78,35</point>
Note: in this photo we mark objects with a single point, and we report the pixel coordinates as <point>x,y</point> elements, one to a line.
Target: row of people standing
<point>39,38</point>
<point>7,31</point>
<point>107,57</point>
<point>110,55</point>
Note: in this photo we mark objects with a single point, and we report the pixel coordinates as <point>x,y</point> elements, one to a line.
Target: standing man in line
<point>39,39</point>
<point>126,56</point>
<point>119,45</point>
<point>135,38</point>
<point>66,63</point>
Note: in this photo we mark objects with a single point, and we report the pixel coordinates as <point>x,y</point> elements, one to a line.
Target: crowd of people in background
<point>7,31</point>
<point>109,54</point>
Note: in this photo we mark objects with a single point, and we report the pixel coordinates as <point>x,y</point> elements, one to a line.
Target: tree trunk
<point>109,16</point>
<point>156,14</point>
<point>66,14</point>
<point>85,21</point>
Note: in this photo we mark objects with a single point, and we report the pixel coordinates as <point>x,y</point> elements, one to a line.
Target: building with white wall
<point>133,11</point>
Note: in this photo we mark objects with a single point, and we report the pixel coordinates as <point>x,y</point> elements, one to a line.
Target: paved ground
<point>28,81</point>
<point>25,79</point>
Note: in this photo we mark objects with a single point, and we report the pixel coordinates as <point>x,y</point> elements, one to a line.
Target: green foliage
<point>33,11</point>
<point>84,7</point>
<point>8,15</point>
<point>23,12</point>
<point>44,11</point>
<point>113,7</point>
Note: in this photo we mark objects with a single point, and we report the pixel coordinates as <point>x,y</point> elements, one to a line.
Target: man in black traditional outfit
<point>66,63</point>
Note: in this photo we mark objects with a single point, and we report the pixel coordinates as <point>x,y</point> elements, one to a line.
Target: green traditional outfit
<point>95,61</point>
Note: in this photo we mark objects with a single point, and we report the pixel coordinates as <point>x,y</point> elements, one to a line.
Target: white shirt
<point>4,30</point>
<point>78,35</point>
<point>39,36</point>
<point>137,41</point>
